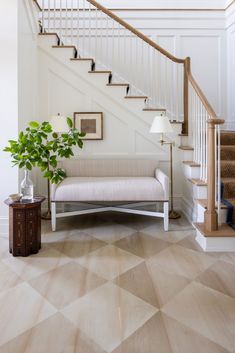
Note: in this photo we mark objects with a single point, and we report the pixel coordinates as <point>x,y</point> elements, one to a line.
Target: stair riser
<point>47,41</point>
<point>227,154</point>
<point>229,191</point>
<point>199,192</point>
<point>226,139</point>
<point>201,211</point>
<point>191,172</point>
<point>228,172</point>
<point>80,67</point>
<point>186,155</point>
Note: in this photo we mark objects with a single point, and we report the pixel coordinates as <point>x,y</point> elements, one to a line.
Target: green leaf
<point>34,124</point>
<point>69,122</point>
<point>55,135</point>
<point>28,165</point>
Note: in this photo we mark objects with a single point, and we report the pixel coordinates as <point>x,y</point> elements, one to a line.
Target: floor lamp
<point>161,125</point>
<point>59,125</point>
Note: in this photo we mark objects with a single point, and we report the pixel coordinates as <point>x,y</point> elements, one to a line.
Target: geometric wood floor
<point>117,283</point>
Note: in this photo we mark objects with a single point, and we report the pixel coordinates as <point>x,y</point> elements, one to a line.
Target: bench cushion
<point>109,189</point>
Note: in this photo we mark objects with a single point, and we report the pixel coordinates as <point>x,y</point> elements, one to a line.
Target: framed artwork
<point>91,124</point>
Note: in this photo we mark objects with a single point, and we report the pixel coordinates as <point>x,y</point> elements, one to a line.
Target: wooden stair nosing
<point>186,148</point>
<point>48,34</point>
<point>203,203</point>
<point>197,182</point>
<point>154,110</point>
<point>192,164</point>
<point>136,97</point>
<point>118,84</point>
<point>82,59</point>
<point>64,47</point>
<point>100,72</point>
<point>223,231</point>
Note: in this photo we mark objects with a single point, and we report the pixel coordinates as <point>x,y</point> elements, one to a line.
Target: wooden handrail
<point>201,95</point>
<point>136,32</point>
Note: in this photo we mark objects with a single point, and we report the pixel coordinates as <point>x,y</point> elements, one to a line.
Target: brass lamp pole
<point>162,125</point>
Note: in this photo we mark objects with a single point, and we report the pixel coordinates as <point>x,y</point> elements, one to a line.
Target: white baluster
<point>61,34</point>
<point>218,145</point>
<point>48,15</point>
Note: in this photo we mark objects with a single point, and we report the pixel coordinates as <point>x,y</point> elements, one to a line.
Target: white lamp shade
<point>59,123</point>
<point>161,124</point>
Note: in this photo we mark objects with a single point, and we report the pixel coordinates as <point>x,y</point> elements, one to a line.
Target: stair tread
<point>228,180</point>
<point>63,46</point>
<point>82,59</point>
<point>117,84</point>
<point>203,203</point>
<point>186,148</point>
<point>48,34</point>
<point>154,109</point>
<point>131,97</point>
<point>191,163</point>
<point>198,182</point>
<point>183,135</point>
<point>100,72</point>
<point>223,231</point>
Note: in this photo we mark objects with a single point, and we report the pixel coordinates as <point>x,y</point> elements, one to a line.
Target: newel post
<point>186,95</point>
<point>210,215</point>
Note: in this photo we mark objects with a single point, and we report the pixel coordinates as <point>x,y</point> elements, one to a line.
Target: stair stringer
<point>49,66</point>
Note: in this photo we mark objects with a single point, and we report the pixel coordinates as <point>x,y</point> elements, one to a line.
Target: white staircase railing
<point>115,45</point>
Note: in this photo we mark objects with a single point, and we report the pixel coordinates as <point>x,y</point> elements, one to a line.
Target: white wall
<point>231,68</point>
<point>18,86</point>
<point>27,66</point>
<point>8,101</point>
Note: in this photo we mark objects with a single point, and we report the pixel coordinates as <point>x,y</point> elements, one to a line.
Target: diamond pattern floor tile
<point>80,244</point>
<point>109,232</point>
<point>182,261</point>
<point>21,307</point>
<point>8,278</point>
<point>117,283</point>
<point>185,340</point>
<point>208,312</point>
<point>109,315</point>
<point>138,342</point>
<point>109,261</point>
<point>66,284</point>
<point>138,282</point>
<point>220,276</point>
<point>64,337</point>
<point>142,245</point>
<point>166,284</point>
<point>34,265</point>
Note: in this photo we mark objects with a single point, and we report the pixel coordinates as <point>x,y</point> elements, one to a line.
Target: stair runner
<point>228,174</point>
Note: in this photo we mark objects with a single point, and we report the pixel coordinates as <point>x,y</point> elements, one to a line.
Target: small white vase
<point>26,187</point>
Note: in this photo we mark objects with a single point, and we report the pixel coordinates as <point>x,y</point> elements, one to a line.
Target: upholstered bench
<point>122,181</point>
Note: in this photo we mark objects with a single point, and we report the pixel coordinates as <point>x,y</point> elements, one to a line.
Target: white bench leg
<point>53,216</point>
<point>166,216</point>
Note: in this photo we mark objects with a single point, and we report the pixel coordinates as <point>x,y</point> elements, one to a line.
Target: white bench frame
<point>122,208</point>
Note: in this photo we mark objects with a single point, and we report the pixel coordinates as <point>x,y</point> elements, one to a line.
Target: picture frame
<point>91,123</point>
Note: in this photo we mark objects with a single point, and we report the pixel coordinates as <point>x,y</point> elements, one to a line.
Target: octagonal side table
<point>25,226</point>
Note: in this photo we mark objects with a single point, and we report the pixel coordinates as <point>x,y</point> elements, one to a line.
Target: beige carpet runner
<point>228,174</point>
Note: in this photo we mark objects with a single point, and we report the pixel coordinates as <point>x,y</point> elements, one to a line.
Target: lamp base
<point>46,215</point>
<point>174,215</point>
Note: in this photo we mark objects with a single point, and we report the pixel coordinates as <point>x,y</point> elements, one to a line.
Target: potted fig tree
<point>40,146</point>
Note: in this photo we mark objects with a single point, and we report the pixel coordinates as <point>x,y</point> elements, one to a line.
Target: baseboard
<point>4,226</point>
<point>215,244</point>
<point>188,209</point>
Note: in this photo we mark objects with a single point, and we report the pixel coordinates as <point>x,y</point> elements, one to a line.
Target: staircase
<point>107,50</point>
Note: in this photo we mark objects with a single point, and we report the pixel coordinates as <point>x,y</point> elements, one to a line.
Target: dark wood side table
<point>25,226</point>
